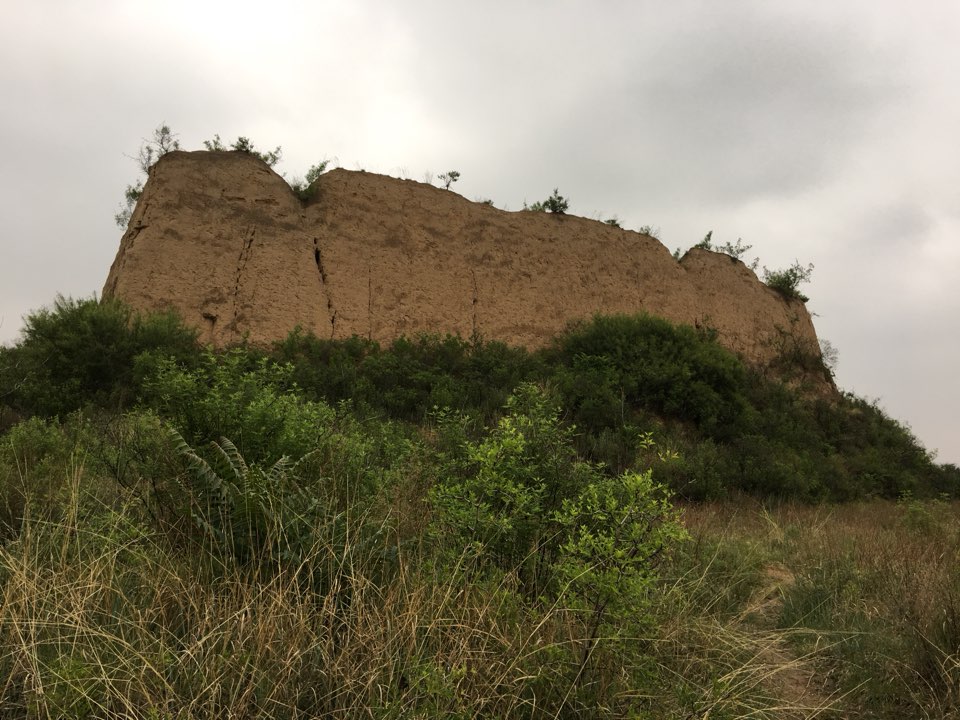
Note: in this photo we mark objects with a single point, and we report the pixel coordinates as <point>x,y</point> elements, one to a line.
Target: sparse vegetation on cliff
<point>306,188</point>
<point>245,145</point>
<point>736,250</point>
<point>449,178</point>
<point>162,142</point>
<point>556,204</point>
<point>787,281</point>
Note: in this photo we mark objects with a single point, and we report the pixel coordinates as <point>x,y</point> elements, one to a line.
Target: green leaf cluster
<point>788,280</point>
<point>245,145</point>
<point>523,504</point>
<point>83,352</point>
<point>556,204</point>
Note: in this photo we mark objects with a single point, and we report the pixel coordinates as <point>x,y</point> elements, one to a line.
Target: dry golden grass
<point>873,598</point>
<point>102,618</point>
<point>784,612</point>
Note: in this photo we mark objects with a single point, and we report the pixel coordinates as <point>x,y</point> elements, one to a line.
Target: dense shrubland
<point>437,527</point>
<point>613,379</point>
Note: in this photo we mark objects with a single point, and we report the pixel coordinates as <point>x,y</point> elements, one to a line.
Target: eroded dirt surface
<point>223,239</point>
<point>789,677</point>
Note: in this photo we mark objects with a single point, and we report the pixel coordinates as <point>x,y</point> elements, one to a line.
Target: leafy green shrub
<point>236,395</point>
<point>614,533</point>
<point>82,352</point>
<point>787,281</point>
<point>700,471</point>
<point>612,377</point>
<point>737,251</point>
<point>307,188</point>
<point>411,376</point>
<point>522,499</point>
<point>244,145</point>
<point>523,505</point>
<point>556,204</point>
<point>324,369</point>
<point>650,231</point>
<point>641,361</point>
<point>706,243</point>
<point>37,457</point>
<point>500,496</point>
<point>768,468</point>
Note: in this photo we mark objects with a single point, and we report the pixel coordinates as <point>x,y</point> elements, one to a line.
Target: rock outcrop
<point>223,239</point>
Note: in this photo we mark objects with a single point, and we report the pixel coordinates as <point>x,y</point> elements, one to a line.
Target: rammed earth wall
<point>223,239</point>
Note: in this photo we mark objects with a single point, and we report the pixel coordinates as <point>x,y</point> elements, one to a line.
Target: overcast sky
<point>820,132</point>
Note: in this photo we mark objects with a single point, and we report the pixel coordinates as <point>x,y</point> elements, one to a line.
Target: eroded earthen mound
<point>221,238</point>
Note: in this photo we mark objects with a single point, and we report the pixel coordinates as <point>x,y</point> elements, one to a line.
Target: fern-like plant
<point>243,510</point>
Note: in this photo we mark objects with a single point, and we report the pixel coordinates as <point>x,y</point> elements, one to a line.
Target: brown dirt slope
<point>221,238</point>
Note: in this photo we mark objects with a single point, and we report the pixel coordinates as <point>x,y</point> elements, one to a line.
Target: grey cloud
<point>895,225</point>
<point>815,132</point>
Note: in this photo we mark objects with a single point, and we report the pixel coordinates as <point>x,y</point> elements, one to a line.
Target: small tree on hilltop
<point>162,142</point>
<point>449,178</point>
<point>304,188</point>
<point>556,204</point>
<point>215,145</point>
<point>736,251</point>
<point>705,244</point>
<point>650,231</point>
<point>270,157</point>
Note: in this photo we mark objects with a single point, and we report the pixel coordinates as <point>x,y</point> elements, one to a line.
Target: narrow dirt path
<point>790,677</point>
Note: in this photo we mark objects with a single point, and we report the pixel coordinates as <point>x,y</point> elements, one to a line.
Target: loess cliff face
<point>222,239</point>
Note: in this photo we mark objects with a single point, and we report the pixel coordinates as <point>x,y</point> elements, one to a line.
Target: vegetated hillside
<point>733,426</point>
<point>222,239</point>
<point>331,528</point>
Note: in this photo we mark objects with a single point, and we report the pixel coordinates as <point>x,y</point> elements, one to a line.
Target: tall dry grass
<point>104,616</point>
<point>874,595</point>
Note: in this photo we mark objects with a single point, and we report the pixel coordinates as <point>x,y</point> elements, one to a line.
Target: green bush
<point>612,377</point>
<point>410,377</point>
<point>500,496</point>
<point>236,395</point>
<point>787,281</point>
<point>82,352</point>
<point>413,376</point>
<point>520,504</point>
<point>244,145</point>
<point>699,472</point>
<point>324,369</point>
<point>37,459</point>
<point>521,498</point>
<point>614,533</point>
<point>307,187</point>
<point>618,362</point>
<point>556,204</point>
